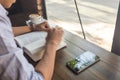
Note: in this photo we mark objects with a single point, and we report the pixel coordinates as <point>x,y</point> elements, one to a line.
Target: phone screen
<point>82,62</point>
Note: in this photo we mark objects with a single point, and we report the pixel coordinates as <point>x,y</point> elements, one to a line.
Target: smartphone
<point>82,62</point>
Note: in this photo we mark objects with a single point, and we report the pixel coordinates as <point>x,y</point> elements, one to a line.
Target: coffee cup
<point>36,19</point>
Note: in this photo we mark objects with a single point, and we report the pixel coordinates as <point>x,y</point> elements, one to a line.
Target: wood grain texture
<point>108,68</point>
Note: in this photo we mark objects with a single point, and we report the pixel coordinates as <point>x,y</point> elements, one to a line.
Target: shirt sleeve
<point>13,65</point>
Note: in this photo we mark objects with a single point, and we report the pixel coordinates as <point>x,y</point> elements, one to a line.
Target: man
<point>13,65</point>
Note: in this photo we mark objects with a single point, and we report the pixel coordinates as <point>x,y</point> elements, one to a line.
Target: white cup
<point>36,19</point>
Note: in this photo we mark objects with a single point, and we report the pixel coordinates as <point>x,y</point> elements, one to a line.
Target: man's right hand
<point>55,36</point>
<point>46,64</point>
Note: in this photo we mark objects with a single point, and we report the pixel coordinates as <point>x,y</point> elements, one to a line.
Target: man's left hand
<point>41,27</point>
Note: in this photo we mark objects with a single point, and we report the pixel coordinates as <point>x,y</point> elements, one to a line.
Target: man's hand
<point>41,27</point>
<point>54,36</point>
<point>46,64</point>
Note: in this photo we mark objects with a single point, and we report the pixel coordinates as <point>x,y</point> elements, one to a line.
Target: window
<point>98,18</point>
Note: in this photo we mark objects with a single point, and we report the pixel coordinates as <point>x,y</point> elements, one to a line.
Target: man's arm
<point>46,65</point>
<point>25,29</point>
<point>21,30</point>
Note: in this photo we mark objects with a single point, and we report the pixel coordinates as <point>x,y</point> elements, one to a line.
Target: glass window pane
<point>98,18</point>
<point>63,13</point>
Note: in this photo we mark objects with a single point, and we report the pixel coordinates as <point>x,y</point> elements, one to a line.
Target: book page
<point>28,38</point>
<point>35,46</point>
<point>36,49</point>
<point>33,43</point>
<point>52,25</point>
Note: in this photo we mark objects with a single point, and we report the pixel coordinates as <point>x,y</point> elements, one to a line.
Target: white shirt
<point>13,65</point>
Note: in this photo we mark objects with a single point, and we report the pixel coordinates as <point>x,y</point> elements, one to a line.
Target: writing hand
<point>41,27</point>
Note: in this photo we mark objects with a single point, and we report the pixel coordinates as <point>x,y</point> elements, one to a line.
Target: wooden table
<point>106,69</point>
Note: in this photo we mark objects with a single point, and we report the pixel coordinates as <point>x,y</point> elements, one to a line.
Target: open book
<point>33,44</point>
